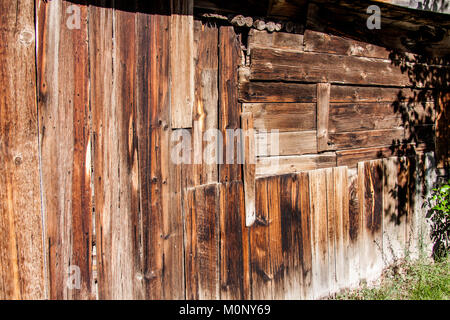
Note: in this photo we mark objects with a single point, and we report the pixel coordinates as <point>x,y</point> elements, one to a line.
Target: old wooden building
<point>307,134</point>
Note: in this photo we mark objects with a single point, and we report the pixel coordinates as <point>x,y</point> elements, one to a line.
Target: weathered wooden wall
<point>91,115</point>
<point>316,232</point>
<point>334,101</point>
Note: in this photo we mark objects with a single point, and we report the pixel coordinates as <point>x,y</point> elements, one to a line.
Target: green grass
<point>412,281</point>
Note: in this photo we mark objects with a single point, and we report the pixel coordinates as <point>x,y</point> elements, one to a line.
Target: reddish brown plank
<point>65,148</point>
<point>100,60</point>
<point>22,255</point>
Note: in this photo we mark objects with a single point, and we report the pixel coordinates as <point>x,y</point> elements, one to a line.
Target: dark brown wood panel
<point>234,241</point>
<point>259,243</point>
<point>371,138</point>
<point>342,94</point>
<point>279,92</point>
<point>202,243</point>
<point>363,116</point>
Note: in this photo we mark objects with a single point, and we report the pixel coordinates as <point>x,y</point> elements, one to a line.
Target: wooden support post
<point>323,105</point>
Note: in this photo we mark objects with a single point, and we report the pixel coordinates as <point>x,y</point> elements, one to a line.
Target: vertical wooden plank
<point>331,223</point>
<point>208,245</point>
<point>249,167</point>
<point>306,235</point>
<point>291,237</point>
<point>194,200</point>
<point>202,250</point>
<point>355,190</point>
<point>234,279</point>
<point>22,261</point>
<point>342,227</point>
<point>414,201</point>
<point>125,268</point>
<point>182,63</point>
<point>121,273</point>
<point>259,243</point>
<point>126,279</point>
<point>319,227</point>
<point>148,226</point>
<point>229,108</point>
<point>171,173</point>
<point>105,184</point>
<point>404,193</point>
<point>391,247</point>
<point>395,211</point>
<point>371,258</point>
<point>206,99</point>
<point>323,106</point>
<point>153,144</point>
<point>275,244</point>
<point>65,146</point>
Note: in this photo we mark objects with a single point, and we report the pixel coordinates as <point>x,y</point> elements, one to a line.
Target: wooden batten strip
<point>323,106</point>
